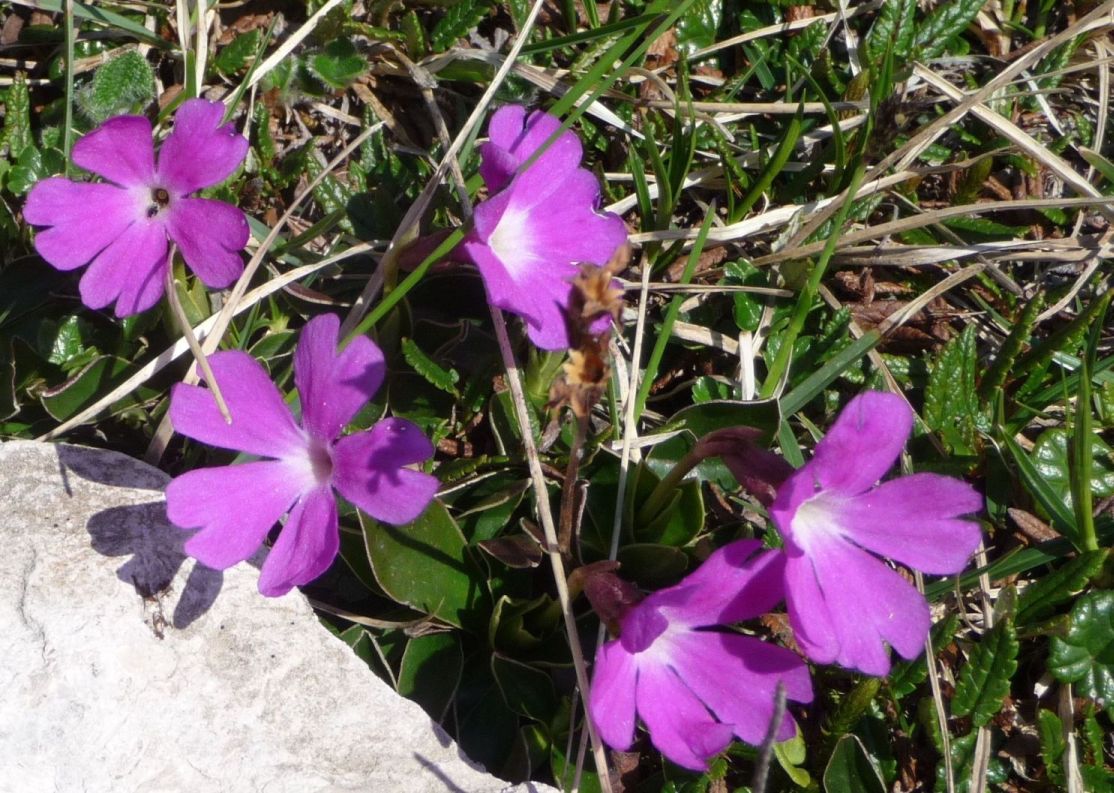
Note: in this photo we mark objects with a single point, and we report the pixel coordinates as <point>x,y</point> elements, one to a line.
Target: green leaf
<point>339,64</point>
<point>1050,459</point>
<point>652,566</point>
<point>126,84</point>
<point>945,22</point>
<point>1020,331</point>
<point>98,378</point>
<point>893,30</point>
<point>32,165</point>
<point>852,770</point>
<point>1051,732</point>
<point>430,672</point>
<point>791,756</point>
<point>425,565</point>
<point>17,115</point>
<point>527,691</point>
<point>951,406</point>
<point>1085,656</point>
<point>435,375</point>
<point>984,680</point>
<point>1041,597</point>
<point>698,27</point>
<point>234,56</point>
<point>459,20</point>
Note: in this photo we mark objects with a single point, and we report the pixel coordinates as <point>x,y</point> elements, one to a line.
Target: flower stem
<point>67,129</point>
<point>545,513</point>
<point>570,493</point>
<point>187,331</point>
<point>664,490</point>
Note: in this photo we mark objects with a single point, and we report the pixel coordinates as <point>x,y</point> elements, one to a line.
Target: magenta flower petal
<point>131,271</point>
<point>366,467</point>
<point>871,431</point>
<point>682,667</point>
<point>913,520</point>
<point>367,470</point>
<point>211,235</point>
<point>866,602</point>
<point>612,695</point>
<point>261,421</point>
<point>527,241</point>
<point>234,506</point>
<point>85,219</point>
<point>514,136</point>
<point>305,547</point>
<point>120,150</point>
<point>334,386</point>
<point>199,152</point>
<point>680,726</point>
<point>843,602</point>
<point>737,678</point>
<point>735,583</point>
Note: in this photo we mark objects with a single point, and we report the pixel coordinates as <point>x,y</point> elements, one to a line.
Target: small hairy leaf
<point>950,404</point>
<point>985,680</point>
<point>893,28</point>
<point>1051,732</point>
<point>1085,657</point>
<point>125,84</point>
<point>338,65</point>
<point>946,21</point>
<point>17,115</point>
<point>435,375</point>
<point>234,56</point>
<point>1041,597</point>
<point>459,20</point>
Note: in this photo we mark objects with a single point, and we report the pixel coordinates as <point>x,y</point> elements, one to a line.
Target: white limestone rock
<point>124,667</point>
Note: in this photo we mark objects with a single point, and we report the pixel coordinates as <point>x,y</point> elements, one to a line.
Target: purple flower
<point>695,689</point>
<point>843,601</point>
<point>122,227</point>
<point>235,506</point>
<point>539,224</point>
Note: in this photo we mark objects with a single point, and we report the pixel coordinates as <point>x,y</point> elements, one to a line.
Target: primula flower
<point>843,601</point>
<point>236,506</point>
<point>122,226</point>
<point>694,689</point>
<point>529,236</point>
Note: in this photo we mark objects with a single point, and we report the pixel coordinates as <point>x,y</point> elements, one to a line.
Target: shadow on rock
<point>142,533</point>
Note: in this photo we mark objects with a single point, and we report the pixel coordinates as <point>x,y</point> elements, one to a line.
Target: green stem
<point>808,294</point>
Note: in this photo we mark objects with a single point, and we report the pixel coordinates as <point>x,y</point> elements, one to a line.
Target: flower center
<point>816,517</point>
<point>321,462</point>
<point>510,241</point>
<point>160,200</point>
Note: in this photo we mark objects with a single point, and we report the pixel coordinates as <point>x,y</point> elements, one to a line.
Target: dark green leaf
<point>852,770</point>
<point>17,115</point>
<point>527,691</point>
<point>96,379</point>
<point>1051,732</point>
<point>984,680</point>
<point>424,565</point>
<point>1050,459</point>
<point>1085,657</point>
<point>430,672</point>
